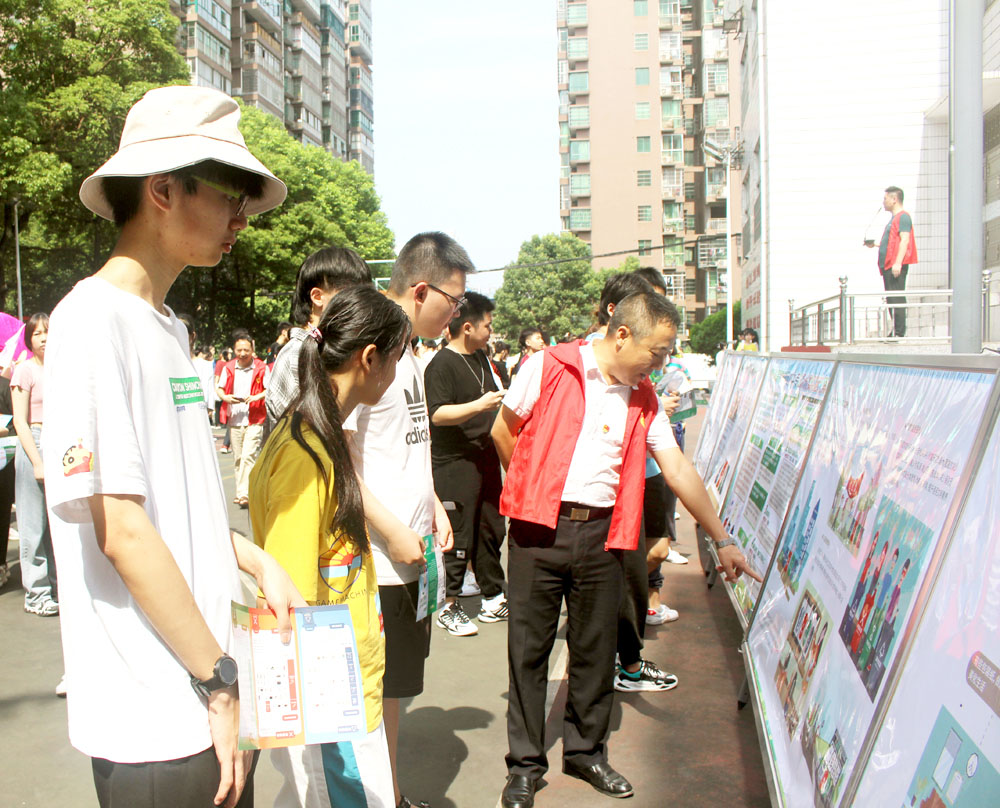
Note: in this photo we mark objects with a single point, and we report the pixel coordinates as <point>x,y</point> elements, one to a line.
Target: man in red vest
<point>896,252</point>
<point>242,386</point>
<point>573,433</point>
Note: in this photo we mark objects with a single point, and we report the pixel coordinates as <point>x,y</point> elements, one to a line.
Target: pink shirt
<point>28,375</point>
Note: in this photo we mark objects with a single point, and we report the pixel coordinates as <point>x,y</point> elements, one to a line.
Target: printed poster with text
<point>888,452</point>
<point>309,691</point>
<point>939,744</point>
<point>734,427</point>
<point>773,453</point>
<point>722,390</point>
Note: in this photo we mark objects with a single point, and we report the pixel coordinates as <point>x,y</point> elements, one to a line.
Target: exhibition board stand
<point>882,455</point>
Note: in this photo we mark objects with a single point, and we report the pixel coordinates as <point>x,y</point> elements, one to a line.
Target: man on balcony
<point>896,252</point>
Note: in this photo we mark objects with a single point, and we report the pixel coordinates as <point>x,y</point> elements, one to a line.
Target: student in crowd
<point>572,513</point>
<point>38,568</point>
<point>530,341</point>
<point>307,511</point>
<point>321,276</point>
<point>226,356</point>
<point>501,352</point>
<point>393,458</point>
<point>462,397</point>
<point>279,342</point>
<point>148,564</point>
<point>242,387</point>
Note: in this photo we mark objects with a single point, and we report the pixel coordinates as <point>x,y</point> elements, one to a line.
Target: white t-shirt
<point>595,468</point>
<point>206,372</point>
<point>393,444</point>
<point>125,414</point>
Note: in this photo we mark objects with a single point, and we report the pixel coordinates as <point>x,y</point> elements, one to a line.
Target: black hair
<point>473,310</point>
<point>653,277</point>
<point>30,327</point>
<point>356,317</point>
<point>642,312</point>
<point>241,333</point>
<point>499,347</point>
<point>616,289</point>
<point>892,189</point>
<point>125,193</point>
<point>522,338</point>
<point>283,326</point>
<point>429,258</point>
<point>330,268</point>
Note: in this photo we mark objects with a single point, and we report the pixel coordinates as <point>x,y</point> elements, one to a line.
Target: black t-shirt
<point>454,378</point>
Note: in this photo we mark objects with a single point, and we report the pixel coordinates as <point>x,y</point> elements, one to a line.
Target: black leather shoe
<point>519,792</point>
<point>602,777</point>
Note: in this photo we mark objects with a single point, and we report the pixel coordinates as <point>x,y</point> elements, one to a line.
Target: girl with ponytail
<point>306,511</point>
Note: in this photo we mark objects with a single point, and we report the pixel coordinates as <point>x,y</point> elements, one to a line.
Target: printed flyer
<point>309,691</point>
<point>725,383</point>
<point>939,744</point>
<point>769,464</point>
<point>734,427</point>
<point>883,470</point>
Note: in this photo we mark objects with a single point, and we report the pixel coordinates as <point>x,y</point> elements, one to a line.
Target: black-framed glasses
<point>233,195</point>
<point>456,302</point>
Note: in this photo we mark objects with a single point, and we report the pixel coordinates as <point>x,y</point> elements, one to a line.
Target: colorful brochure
<point>430,594</point>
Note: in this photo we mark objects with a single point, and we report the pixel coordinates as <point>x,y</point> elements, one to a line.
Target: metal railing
<point>863,317</point>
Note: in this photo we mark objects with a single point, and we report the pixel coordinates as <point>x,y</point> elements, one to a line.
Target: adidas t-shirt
<point>393,444</point>
<point>127,416</point>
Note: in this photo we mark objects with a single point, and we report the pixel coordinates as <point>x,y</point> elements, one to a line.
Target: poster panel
<point>772,457</point>
<point>939,743</point>
<point>721,393</point>
<point>889,450</point>
<point>733,427</point>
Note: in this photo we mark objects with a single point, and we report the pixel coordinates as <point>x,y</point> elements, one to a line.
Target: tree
<point>706,335</point>
<point>559,298</point>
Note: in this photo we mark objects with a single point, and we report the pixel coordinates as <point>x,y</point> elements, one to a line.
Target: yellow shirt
<point>290,511</point>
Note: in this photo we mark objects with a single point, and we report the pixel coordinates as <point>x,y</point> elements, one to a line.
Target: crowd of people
<point>357,458</point>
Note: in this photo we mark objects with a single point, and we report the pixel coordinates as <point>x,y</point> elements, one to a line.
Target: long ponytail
<point>354,318</point>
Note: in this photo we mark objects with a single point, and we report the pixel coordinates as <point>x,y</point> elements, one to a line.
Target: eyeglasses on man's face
<point>456,302</point>
<point>236,198</point>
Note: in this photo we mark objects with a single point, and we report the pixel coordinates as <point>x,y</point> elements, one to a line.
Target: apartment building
<point>295,60</point>
<point>642,84</point>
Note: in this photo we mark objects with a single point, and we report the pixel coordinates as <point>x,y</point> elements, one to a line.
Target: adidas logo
<point>415,403</point>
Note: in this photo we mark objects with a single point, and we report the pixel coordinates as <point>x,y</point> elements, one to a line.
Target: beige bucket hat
<point>173,127</point>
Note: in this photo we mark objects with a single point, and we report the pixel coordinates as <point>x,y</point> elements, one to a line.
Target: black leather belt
<point>582,513</point>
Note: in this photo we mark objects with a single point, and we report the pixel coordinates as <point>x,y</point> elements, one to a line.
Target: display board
<point>882,473</point>
<point>733,427</point>
<point>939,743</point>
<point>772,456</point>
<point>725,383</point>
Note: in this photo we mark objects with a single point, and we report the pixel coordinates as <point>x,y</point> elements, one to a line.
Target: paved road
<point>689,747</point>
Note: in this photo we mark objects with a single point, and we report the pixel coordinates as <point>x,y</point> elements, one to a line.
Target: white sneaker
<point>661,615</point>
<point>676,558</point>
<point>453,619</point>
<point>469,586</point>
<point>494,610</point>
<point>61,687</point>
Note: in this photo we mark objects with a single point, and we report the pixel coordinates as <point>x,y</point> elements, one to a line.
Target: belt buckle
<point>579,514</point>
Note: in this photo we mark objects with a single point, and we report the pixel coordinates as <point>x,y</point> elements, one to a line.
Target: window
<point>579,117</point>
<point>673,148</point>
<point>716,112</point>
<point>642,42</point>
<point>579,151</point>
<point>670,11</point>
<point>564,135</point>
<point>577,48</point>
<point>671,113</point>
<point>641,76</point>
<point>715,181</point>
<point>672,213</point>
<point>561,70</point>
<point>645,213</point>
<point>673,252</point>
<point>671,82</point>
<point>645,246</point>
<point>579,219</point>
<point>642,144</point>
<point>576,13</point>
<point>563,40</point>
<point>579,82</point>
<point>640,8</point>
<point>670,45</point>
<point>579,184</point>
<point>642,110</point>
<point>673,181</point>
<point>717,77</point>
<point>643,179</point>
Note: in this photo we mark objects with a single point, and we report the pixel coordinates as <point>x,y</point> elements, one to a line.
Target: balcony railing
<point>716,226</point>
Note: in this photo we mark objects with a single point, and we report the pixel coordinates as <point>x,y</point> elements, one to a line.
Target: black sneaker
<point>650,678</point>
<point>453,619</point>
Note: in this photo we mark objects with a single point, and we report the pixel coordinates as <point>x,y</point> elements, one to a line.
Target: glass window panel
<point>641,76</point>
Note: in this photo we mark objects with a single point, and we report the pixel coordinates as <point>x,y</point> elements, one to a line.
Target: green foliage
<point>706,335</point>
<point>559,298</point>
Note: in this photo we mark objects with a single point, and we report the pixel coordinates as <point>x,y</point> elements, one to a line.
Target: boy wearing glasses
<point>393,459</point>
<point>147,563</point>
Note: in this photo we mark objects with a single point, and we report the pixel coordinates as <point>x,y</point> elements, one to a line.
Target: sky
<point>466,126</point>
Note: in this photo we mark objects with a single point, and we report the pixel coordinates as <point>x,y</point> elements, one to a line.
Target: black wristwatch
<point>223,675</point>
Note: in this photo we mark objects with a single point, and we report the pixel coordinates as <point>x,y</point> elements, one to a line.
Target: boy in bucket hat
<point>138,515</point>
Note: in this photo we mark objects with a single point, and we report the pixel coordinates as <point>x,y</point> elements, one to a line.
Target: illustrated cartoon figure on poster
<point>866,607</point>
<point>851,613</point>
<point>850,506</point>
<point>822,744</point>
<point>878,614</point>
<point>797,540</point>
<point>875,669</point>
<point>801,652</point>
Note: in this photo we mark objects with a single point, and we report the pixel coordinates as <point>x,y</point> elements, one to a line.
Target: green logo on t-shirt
<point>187,391</point>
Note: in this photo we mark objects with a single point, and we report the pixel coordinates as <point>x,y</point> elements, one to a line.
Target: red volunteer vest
<point>539,465</point>
<point>893,247</point>
<point>258,410</point>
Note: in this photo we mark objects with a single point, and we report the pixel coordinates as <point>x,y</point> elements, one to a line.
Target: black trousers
<point>544,567</point>
<point>896,285</point>
<point>470,491</point>
<point>635,602</point>
<point>190,782</point>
